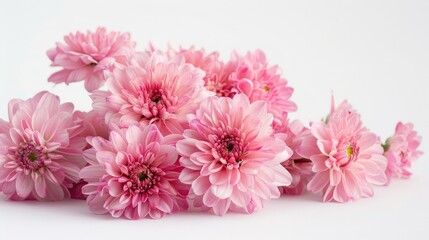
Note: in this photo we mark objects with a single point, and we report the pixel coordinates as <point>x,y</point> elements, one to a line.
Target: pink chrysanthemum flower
<point>41,149</point>
<point>217,78</point>
<point>259,81</point>
<point>293,134</point>
<point>347,158</point>
<point>231,159</point>
<point>152,89</point>
<point>85,57</point>
<point>93,125</point>
<point>134,174</point>
<point>401,151</point>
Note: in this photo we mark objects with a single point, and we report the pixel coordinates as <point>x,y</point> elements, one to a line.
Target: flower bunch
<point>182,127</point>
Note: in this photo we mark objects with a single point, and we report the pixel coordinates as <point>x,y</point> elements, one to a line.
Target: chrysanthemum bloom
<point>152,89</point>
<point>84,57</point>
<point>401,151</point>
<point>41,149</point>
<point>217,78</point>
<point>298,166</point>
<point>134,174</point>
<point>93,125</point>
<point>347,158</point>
<point>260,81</point>
<point>231,159</point>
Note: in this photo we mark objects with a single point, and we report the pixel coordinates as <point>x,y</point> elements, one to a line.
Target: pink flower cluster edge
<point>183,129</point>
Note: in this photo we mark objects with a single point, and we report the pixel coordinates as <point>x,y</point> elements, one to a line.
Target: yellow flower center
<point>349,151</point>
<point>266,88</point>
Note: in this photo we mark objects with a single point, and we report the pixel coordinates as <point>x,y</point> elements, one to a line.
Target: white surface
<point>374,53</point>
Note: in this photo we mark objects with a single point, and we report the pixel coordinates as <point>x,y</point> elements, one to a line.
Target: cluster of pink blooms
<point>179,128</point>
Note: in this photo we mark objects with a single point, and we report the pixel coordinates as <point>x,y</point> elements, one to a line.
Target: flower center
<point>30,156</point>
<point>266,88</point>
<point>143,178</point>
<point>229,149</point>
<point>154,102</point>
<point>156,97</point>
<point>349,151</point>
<point>403,156</point>
<point>219,85</point>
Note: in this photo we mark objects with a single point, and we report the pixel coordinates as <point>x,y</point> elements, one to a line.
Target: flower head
<point>293,134</point>
<point>401,150</point>
<point>217,78</point>
<point>231,159</point>
<point>85,57</point>
<point>134,174</point>
<point>347,158</point>
<point>254,77</point>
<point>152,89</point>
<point>41,149</point>
<point>93,125</point>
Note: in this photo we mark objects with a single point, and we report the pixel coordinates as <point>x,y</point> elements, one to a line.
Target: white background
<point>374,53</point>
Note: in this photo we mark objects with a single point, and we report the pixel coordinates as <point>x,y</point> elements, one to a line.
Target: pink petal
<point>201,185</point>
<point>24,185</point>
<point>187,176</point>
<point>165,204</point>
<point>219,178</point>
<point>221,207</point>
<point>245,86</point>
<point>186,147</point>
<point>239,198</point>
<point>92,173</point>
<point>319,182</point>
<point>335,177</point>
<point>115,188</point>
<point>54,191</point>
<point>319,162</point>
<point>94,82</point>
<point>222,191</point>
<point>251,168</point>
<point>40,186</point>
<point>60,76</point>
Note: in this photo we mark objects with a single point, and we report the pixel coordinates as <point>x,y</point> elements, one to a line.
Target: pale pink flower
<point>217,78</point>
<point>347,158</point>
<point>293,134</point>
<point>152,89</point>
<point>85,57</point>
<point>231,159</point>
<point>134,174</point>
<point>41,149</point>
<point>401,151</point>
<point>93,125</point>
<point>254,77</point>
